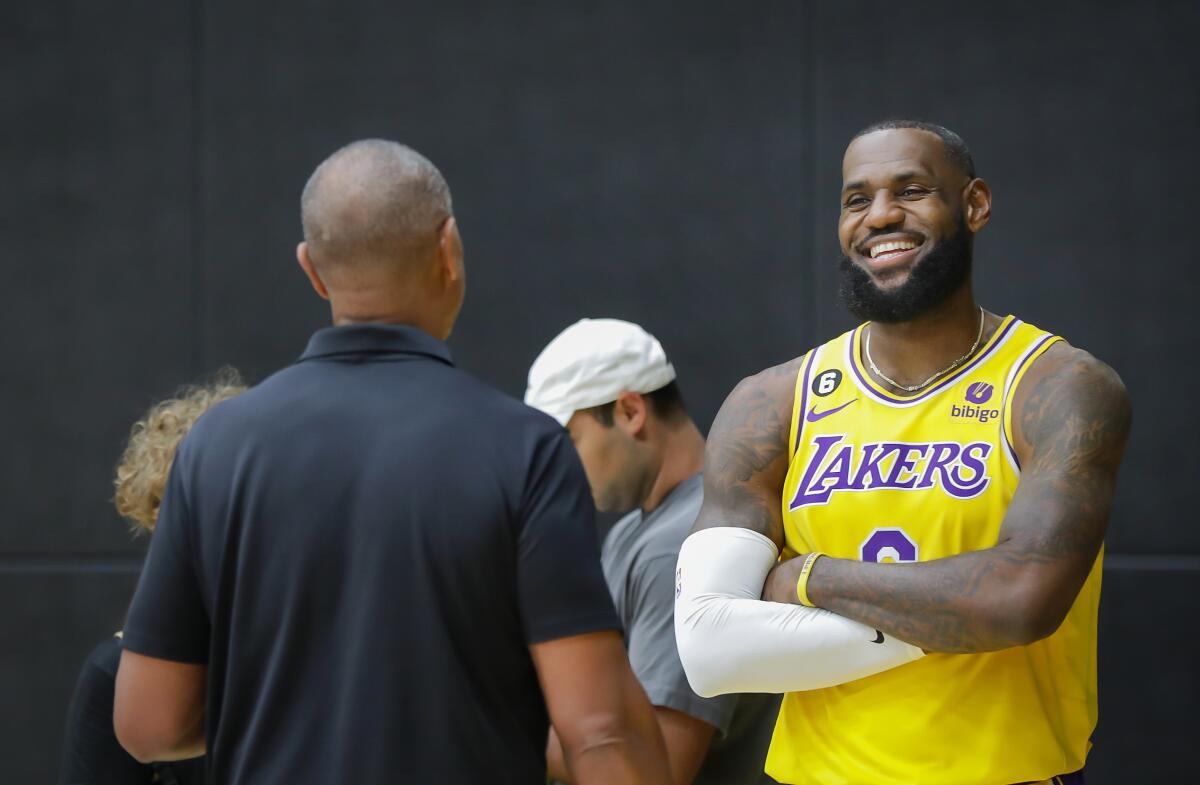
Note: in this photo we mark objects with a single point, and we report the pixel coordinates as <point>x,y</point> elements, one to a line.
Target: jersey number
<point>888,545</point>
<point>827,382</point>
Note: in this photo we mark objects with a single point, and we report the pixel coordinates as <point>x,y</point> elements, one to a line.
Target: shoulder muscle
<point>1071,407</point>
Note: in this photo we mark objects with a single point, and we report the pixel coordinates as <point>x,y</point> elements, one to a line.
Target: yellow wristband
<point>802,581</point>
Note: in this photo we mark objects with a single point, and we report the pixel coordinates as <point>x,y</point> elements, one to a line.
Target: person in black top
<point>91,754</point>
<point>371,567</point>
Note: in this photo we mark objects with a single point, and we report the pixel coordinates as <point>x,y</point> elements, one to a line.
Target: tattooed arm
<point>745,462</point>
<point>1071,419</point>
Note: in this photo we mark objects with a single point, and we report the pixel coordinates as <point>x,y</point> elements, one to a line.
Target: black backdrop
<point>677,165</point>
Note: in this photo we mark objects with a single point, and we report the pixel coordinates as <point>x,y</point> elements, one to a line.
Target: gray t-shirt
<point>639,558</point>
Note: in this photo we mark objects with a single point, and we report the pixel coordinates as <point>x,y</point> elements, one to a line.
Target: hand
<point>780,585</point>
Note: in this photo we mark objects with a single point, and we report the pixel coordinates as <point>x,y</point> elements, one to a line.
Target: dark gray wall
<point>677,166</point>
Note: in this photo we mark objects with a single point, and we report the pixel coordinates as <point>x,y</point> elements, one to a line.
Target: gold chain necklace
<point>936,376</point>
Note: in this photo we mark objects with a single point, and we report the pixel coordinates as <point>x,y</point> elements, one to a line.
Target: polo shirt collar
<point>374,338</point>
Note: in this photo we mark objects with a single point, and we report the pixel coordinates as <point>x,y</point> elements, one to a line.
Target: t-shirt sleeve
<point>560,584</point>
<point>168,618</point>
<point>652,650</point>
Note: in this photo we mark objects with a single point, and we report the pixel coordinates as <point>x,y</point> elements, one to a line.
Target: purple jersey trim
<point>1009,388</point>
<point>808,364</point>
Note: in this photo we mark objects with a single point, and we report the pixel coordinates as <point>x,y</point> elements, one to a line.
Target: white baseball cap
<point>591,363</point>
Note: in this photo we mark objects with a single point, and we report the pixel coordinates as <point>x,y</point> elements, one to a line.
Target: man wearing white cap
<point>610,384</point>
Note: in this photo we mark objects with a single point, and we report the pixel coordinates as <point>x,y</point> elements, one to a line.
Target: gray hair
<point>373,200</point>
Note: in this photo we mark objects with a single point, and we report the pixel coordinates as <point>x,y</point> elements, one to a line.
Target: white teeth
<point>899,245</point>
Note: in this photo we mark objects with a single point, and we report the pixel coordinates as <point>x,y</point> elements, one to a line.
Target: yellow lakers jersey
<point>898,478</point>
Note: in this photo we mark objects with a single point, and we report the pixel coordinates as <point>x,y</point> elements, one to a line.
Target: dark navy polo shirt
<point>362,548</point>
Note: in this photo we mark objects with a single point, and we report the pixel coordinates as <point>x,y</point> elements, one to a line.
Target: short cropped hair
<point>666,403</point>
<point>146,462</point>
<point>956,148</point>
<point>373,199</point>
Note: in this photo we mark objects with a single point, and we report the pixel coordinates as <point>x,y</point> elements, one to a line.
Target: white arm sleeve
<point>731,641</point>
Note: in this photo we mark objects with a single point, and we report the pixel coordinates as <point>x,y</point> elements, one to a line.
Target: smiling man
<point>941,476</point>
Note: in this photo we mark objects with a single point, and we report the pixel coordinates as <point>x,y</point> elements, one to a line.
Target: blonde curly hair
<point>146,462</point>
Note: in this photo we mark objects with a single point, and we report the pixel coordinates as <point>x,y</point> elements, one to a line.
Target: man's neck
<point>682,457</point>
<point>345,314</point>
<point>912,351</point>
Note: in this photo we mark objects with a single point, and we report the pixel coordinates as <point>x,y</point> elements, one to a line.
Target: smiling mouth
<point>890,249</point>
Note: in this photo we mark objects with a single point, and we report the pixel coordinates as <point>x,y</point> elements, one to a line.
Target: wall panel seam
<point>197,280</point>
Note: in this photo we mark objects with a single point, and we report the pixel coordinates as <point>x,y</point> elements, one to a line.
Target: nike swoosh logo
<point>878,639</point>
<point>814,415</point>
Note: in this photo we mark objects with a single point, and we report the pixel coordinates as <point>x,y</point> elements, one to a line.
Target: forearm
<point>1011,594</point>
<point>686,740</point>
<point>626,758</point>
<point>978,601</point>
<point>731,641</point>
<point>624,748</point>
<point>603,723</point>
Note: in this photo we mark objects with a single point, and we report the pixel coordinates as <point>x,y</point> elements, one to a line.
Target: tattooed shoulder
<point>746,458</point>
<point>1071,406</point>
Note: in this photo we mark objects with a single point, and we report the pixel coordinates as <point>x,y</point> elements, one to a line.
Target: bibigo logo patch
<point>978,393</point>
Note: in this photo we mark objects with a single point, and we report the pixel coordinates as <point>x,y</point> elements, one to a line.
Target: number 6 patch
<point>888,545</point>
<point>826,382</point>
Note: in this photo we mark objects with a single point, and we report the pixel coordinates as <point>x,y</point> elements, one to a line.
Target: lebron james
<point>902,528</point>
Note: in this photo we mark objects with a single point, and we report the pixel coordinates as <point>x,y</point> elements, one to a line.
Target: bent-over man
<point>610,383</point>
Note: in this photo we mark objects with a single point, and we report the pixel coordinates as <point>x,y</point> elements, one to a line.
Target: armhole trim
<point>1015,375</point>
<point>799,400</point>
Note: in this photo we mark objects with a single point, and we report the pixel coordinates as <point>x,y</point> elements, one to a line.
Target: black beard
<point>940,274</point>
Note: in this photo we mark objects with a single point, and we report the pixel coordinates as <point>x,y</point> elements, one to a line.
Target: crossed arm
<point>729,639</point>
<point>1071,421</point>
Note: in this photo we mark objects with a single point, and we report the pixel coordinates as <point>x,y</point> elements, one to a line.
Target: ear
<point>977,204</point>
<point>630,413</point>
<point>450,252</point>
<point>310,270</point>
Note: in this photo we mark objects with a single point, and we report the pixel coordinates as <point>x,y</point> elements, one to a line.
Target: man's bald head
<point>373,202</point>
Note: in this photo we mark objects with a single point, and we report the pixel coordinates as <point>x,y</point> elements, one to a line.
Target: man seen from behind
<point>371,567</point>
